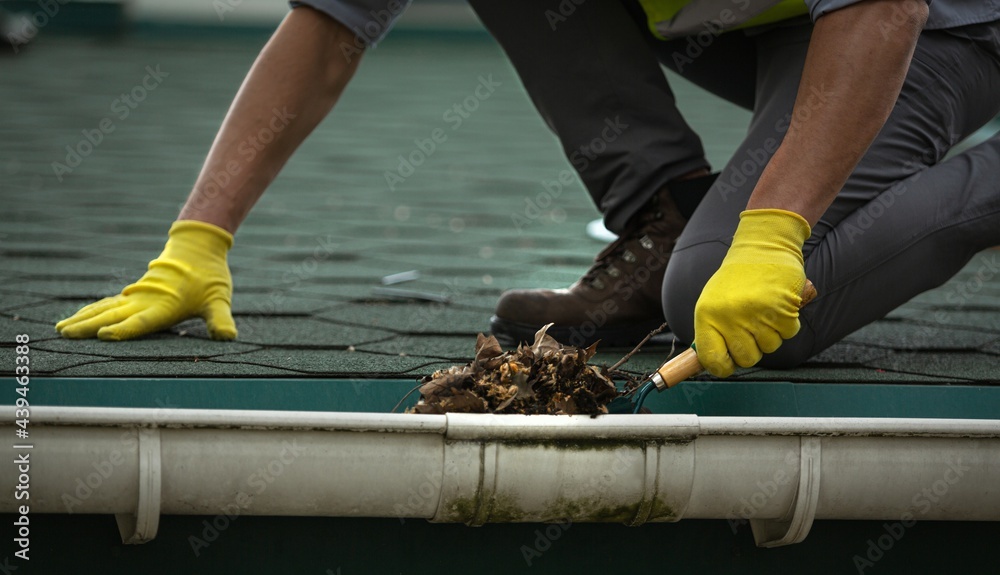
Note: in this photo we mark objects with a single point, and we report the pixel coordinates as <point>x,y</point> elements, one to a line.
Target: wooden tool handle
<point>686,365</point>
<point>809,293</point>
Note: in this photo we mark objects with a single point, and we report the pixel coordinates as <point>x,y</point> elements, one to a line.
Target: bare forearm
<point>293,85</point>
<point>852,77</point>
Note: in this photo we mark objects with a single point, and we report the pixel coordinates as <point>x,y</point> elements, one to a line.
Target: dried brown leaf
<point>545,377</point>
<point>464,401</point>
<point>524,388</point>
<point>544,342</point>
<point>491,364</point>
<point>424,408</point>
<point>603,388</point>
<point>487,348</point>
<point>505,403</point>
<point>440,382</point>
<point>516,374</point>
<point>564,404</point>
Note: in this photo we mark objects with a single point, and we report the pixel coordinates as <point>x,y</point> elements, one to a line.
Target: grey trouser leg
<point>905,222</point>
<point>596,82</point>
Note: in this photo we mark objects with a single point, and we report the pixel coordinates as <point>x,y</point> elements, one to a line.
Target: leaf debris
<point>543,378</point>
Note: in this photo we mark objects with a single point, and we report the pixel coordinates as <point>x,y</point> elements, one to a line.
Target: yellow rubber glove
<point>752,302</point>
<point>189,279</point>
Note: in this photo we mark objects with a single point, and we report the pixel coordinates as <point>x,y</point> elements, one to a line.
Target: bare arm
<point>852,77</point>
<point>293,85</point>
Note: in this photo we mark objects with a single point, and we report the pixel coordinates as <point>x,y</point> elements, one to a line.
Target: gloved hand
<point>189,279</point>
<point>752,302</point>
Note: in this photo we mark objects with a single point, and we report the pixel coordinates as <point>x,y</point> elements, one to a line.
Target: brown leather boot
<point>618,300</point>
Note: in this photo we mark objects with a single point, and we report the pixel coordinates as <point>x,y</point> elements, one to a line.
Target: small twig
<point>408,393</point>
<point>631,381</point>
<point>638,347</point>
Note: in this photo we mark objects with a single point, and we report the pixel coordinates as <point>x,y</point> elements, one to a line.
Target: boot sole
<point>511,333</point>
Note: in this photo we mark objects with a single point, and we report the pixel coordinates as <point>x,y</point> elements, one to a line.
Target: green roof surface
<point>321,338</point>
<point>65,243</point>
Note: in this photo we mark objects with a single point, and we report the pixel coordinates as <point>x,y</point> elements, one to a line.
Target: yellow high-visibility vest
<point>717,15</point>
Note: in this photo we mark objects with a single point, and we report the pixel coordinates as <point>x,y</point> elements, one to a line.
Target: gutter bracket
<point>487,488</point>
<point>650,483</point>
<point>772,533</point>
<point>143,525</point>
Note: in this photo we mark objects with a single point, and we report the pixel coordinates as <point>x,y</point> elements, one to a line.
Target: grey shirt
<point>371,20</point>
<point>943,13</point>
<point>717,16</point>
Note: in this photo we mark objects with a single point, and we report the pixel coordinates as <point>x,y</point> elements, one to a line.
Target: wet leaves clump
<point>543,378</point>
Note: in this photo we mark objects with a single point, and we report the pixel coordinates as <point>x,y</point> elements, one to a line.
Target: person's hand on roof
<point>190,279</point>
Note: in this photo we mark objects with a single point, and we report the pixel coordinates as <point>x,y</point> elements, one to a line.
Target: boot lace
<point>617,250</point>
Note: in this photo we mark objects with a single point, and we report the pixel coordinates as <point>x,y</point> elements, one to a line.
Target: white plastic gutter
<point>778,473</point>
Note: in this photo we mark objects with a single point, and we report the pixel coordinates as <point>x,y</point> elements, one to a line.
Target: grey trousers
<point>905,221</point>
